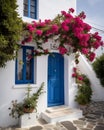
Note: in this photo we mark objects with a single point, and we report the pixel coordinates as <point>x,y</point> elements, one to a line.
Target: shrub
<point>84,93</point>
<point>98,67</point>
<point>10,30</point>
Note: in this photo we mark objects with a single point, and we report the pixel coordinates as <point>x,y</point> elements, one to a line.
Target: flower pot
<point>28,110</point>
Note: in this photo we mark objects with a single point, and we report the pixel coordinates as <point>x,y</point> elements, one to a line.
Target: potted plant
<point>28,105</point>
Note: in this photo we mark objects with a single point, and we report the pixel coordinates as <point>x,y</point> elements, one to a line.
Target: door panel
<point>55,79</point>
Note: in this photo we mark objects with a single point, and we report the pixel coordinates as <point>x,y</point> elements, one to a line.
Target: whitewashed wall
<point>86,68</point>
<point>70,87</point>
<point>9,91</point>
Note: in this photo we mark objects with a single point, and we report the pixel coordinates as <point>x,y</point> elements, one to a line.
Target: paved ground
<point>93,120</point>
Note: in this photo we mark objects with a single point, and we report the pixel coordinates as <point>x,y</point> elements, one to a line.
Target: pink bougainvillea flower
<point>83,44</point>
<point>92,56</point>
<point>85,50</point>
<point>64,26</point>
<point>67,21</point>
<point>77,31</point>
<point>85,37</point>
<point>74,69</point>
<point>29,39</point>
<point>78,22</point>
<point>36,52</point>
<point>46,51</point>
<point>80,78</point>
<point>62,50</point>
<point>96,36</point>
<point>63,12</point>
<point>86,27</point>
<point>74,75</point>
<point>71,10</point>
<point>96,45</point>
<point>101,43</point>
<point>47,21</point>
<point>30,27</point>
<point>69,16</point>
<point>82,15</point>
<point>29,57</point>
<point>55,28</point>
<point>39,32</point>
<point>34,24</point>
<point>41,24</point>
<point>23,42</point>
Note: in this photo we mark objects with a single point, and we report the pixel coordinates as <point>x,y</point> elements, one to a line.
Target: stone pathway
<point>93,119</point>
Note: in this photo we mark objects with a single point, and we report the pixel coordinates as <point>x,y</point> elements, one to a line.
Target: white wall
<point>9,91</point>
<point>86,68</point>
<point>70,85</point>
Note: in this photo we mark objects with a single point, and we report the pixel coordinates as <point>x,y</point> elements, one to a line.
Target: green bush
<point>10,30</point>
<point>84,93</point>
<point>98,67</point>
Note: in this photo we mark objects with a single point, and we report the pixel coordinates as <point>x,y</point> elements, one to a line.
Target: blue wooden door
<point>55,80</point>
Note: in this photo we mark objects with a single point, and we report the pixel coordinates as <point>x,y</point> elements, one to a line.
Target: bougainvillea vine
<point>73,35</point>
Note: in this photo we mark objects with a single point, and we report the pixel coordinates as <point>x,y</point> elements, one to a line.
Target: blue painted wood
<point>55,80</point>
<point>24,80</point>
<point>35,8</point>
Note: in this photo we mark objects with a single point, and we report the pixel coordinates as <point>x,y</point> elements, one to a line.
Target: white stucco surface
<point>9,91</point>
<point>86,68</point>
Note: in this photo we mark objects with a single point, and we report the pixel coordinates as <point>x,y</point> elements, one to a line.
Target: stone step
<point>61,114</point>
<point>57,108</point>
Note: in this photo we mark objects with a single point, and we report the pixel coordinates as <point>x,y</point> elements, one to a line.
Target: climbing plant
<point>71,33</point>
<point>10,30</point>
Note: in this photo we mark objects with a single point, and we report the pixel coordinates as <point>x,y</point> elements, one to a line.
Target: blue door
<point>55,79</point>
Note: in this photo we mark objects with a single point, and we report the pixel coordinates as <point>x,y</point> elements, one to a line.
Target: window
<point>25,66</point>
<point>30,8</point>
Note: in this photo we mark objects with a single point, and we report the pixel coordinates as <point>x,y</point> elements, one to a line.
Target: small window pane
<point>32,9</point>
<point>33,2</point>
<point>25,7</point>
<point>25,13</point>
<point>25,1</point>
<point>28,63</point>
<point>32,15</point>
<point>20,65</point>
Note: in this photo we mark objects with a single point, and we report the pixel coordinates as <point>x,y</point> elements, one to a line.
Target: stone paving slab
<point>99,128</point>
<point>69,125</point>
<point>36,128</point>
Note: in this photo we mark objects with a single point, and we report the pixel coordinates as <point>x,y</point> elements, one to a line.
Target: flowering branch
<point>73,35</point>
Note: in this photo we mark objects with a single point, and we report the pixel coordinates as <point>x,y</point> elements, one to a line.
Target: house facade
<point>55,72</point>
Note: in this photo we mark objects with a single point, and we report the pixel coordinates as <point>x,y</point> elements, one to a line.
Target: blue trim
<point>29,8</point>
<point>36,9</point>
<point>24,80</point>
